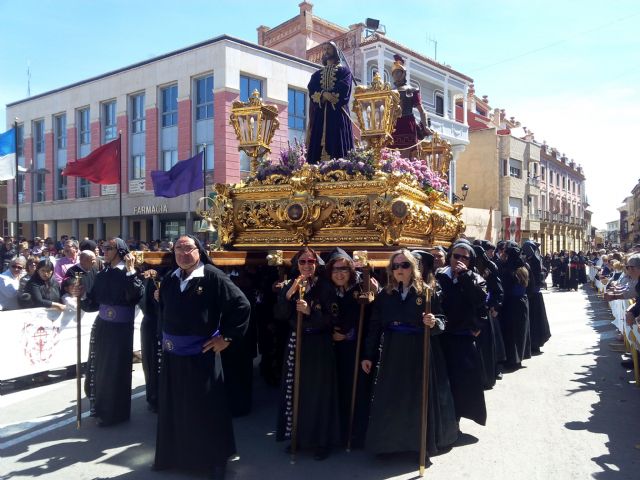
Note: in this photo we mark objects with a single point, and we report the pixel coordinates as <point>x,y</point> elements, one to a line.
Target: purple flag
<point>184,177</point>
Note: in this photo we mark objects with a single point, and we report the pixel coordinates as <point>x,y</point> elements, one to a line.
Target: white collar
<point>447,271</point>
<point>197,272</point>
<point>119,266</point>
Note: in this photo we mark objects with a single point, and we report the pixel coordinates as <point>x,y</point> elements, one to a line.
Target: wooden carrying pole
<point>296,382</point>
<point>426,346</point>
<point>78,275</point>
<point>356,366</point>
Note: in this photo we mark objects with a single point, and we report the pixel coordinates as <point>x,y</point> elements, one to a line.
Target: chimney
<point>262,30</point>
<point>305,7</point>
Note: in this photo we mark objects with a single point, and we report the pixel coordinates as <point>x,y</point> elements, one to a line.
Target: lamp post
<point>254,124</point>
<point>377,108</point>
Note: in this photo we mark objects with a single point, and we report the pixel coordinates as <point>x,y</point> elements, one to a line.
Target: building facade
<point>165,109</point>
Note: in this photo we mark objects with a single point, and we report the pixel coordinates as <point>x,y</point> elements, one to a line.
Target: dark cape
<point>396,329</point>
<point>111,345</point>
<point>318,425</point>
<point>538,321</point>
<point>514,320</point>
<point>330,133</point>
<point>463,303</point>
<point>195,430</point>
<point>150,345</point>
<point>490,339</point>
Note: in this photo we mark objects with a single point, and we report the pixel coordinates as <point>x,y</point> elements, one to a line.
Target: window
<point>439,101</point>
<point>204,98</point>
<point>61,183</point>
<point>38,136</point>
<point>170,106</point>
<point>296,109</point>
<point>21,186</point>
<point>20,144</point>
<point>208,155</point>
<point>84,127</point>
<point>109,120</point>
<point>542,173</point>
<point>169,159</point>
<point>248,85</point>
<point>137,167</point>
<point>245,162</point>
<point>40,187</point>
<point>515,206</point>
<point>557,179</point>
<point>60,125</point>
<point>138,122</point>
<point>83,189</point>
<point>564,183</point>
<point>515,168</point>
<point>374,69</point>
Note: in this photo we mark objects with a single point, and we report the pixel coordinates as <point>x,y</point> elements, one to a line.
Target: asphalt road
<point>571,413</point>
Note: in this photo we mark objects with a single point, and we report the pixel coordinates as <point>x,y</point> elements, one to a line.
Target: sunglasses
<point>308,261</point>
<point>17,267</point>
<point>403,265</point>
<point>457,256</point>
<point>186,250</point>
<point>340,270</point>
<point>108,248</point>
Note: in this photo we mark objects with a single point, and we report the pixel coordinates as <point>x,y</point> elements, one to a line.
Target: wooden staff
<point>426,346</point>
<point>296,382</point>
<point>78,276</point>
<point>356,366</point>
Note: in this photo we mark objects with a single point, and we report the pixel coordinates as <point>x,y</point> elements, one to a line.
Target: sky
<point>568,70</point>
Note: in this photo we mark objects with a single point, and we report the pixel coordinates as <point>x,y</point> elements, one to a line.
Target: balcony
<point>455,132</point>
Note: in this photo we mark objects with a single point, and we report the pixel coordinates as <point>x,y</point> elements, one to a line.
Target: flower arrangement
<point>358,161</point>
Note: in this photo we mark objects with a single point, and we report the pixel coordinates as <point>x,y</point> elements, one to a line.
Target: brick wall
<point>185,125</point>
<point>72,154</point>
<point>151,145</point>
<point>48,164</point>
<point>121,123</point>
<point>96,138</point>
<point>227,158</point>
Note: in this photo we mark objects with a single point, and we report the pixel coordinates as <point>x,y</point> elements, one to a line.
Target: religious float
<point>373,200</point>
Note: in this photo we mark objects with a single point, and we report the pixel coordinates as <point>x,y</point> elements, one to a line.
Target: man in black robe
<point>201,313</point>
<point>115,293</point>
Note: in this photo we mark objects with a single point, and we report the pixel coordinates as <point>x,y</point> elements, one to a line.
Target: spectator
<point>43,289</point>
<point>70,258</point>
<point>10,284</point>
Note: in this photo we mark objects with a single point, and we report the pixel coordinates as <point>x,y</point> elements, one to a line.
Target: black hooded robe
<point>195,430</point>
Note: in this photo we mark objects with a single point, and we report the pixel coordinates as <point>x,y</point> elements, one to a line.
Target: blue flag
<point>184,177</point>
<point>8,155</point>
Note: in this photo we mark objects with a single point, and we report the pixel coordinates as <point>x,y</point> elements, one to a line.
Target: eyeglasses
<point>403,265</point>
<point>17,267</point>
<point>628,267</point>
<point>307,261</point>
<point>457,256</point>
<point>187,249</point>
<point>108,248</point>
<point>340,270</point>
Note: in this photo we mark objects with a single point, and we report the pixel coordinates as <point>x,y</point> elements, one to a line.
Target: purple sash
<point>183,344</point>
<point>117,313</point>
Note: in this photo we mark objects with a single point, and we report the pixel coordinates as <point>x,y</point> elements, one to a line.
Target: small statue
<point>407,133</point>
<point>330,135</point>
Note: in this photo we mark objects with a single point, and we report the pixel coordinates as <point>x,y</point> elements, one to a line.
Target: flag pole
<point>204,169</point>
<point>15,136</point>
<point>120,183</point>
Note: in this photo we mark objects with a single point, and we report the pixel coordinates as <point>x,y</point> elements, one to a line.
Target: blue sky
<point>568,70</point>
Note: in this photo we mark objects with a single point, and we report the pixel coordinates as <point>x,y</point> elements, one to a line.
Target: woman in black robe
<point>490,339</point>
<point>318,425</point>
<point>201,313</point>
<point>345,304</point>
<point>115,293</point>
<point>464,304</point>
<point>396,328</point>
<point>538,321</point>
<point>515,309</point>
<point>572,278</point>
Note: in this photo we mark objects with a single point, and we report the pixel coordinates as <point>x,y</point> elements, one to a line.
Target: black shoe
<point>628,364</point>
<point>321,453</point>
<point>218,472</point>
<point>499,376</point>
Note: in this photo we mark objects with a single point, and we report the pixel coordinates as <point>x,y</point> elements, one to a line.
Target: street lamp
<point>254,124</point>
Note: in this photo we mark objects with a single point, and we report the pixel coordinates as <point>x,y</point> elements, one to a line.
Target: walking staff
<point>360,257</point>
<point>296,382</point>
<point>78,276</point>
<point>426,344</point>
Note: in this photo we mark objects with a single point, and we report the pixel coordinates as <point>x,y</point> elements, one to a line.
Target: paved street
<point>572,413</point>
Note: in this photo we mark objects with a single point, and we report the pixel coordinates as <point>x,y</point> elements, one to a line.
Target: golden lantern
<point>254,124</point>
<point>377,108</point>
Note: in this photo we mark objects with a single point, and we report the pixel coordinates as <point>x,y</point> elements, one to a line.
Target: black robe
<point>514,320</point>
<point>538,321</point>
<point>318,425</point>
<point>150,345</point>
<point>195,430</point>
<point>395,420</point>
<point>463,303</point>
<point>111,346</point>
<point>490,339</point>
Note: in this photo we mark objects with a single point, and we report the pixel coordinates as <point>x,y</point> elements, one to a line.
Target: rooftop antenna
<point>28,78</point>
<point>435,46</point>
